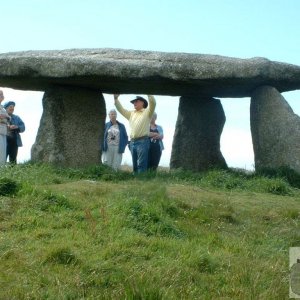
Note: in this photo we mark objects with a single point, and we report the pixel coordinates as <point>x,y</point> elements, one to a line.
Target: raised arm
<point>124,112</point>
<point>152,104</point>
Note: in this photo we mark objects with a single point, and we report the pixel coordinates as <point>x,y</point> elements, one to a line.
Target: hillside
<point>95,234</point>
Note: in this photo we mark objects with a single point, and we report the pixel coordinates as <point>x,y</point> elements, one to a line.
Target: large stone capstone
<point>275,130</point>
<point>145,72</point>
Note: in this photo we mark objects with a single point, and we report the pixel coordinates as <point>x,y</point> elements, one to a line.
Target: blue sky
<point>244,29</point>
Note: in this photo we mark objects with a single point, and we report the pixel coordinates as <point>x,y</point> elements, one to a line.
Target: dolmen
<point>74,80</point>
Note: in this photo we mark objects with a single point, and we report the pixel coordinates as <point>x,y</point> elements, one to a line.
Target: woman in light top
<point>156,144</point>
<point>115,141</point>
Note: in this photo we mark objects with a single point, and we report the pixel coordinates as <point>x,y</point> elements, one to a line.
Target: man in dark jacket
<point>14,128</point>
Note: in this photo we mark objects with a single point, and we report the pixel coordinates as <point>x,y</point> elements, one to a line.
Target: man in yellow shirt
<point>139,123</point>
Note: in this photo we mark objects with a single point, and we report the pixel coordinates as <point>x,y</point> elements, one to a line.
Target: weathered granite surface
<point>71,127</point>
<point>145,72</point>
<point>196,144</point>
<point>275,130</point>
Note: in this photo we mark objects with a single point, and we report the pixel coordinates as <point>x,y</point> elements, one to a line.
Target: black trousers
<point>154,156</point>
<point>12,149</point>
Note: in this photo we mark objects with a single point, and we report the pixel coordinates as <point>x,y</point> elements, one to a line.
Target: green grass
<point>96,234</point>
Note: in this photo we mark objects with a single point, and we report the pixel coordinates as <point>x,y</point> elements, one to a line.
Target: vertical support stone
<point>71,127</point>
<point>196,144</point>
<point>275,130</point>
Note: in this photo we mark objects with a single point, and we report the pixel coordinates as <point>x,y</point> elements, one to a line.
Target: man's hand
<point>116,96</point>
<point>154,135</point>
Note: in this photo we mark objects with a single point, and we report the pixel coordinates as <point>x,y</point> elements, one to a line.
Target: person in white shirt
<point>115,141</point>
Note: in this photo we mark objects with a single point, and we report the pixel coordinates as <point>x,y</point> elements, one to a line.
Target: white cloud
<point>237,149</point>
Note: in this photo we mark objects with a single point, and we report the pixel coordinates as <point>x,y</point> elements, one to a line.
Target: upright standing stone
<point>71,127</point>
<point>196,144</point>
<point>275,130</point>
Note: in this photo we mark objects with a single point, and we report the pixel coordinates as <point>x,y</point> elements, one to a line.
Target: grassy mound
<point>97,234</point>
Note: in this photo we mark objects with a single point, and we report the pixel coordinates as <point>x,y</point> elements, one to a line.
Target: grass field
<point>96,234</point>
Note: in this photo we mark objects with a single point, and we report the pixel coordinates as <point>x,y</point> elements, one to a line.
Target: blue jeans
<point>139,152</point>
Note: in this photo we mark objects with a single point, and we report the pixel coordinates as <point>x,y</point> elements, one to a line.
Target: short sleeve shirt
<point>113,135</point>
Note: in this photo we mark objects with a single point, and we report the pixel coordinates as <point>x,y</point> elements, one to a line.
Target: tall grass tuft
<point>63,256</point>
<point>140,291</point>
<point>287,173</point>
<point>52,201</point>
<point>8,186</point>
<point>150,211</point>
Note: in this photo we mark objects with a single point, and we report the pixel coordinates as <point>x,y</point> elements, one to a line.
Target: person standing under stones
<point>156,145</point>
<point>14,128</point>
<point>139,123</point>
<point>4,118</point>
<point>115,141</point>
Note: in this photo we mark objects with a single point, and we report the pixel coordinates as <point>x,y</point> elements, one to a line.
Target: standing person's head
<point>139,103</point>
<point>1,96</point>
<point>113,116</point>
<point>154,117</point>
<point>10,107</point>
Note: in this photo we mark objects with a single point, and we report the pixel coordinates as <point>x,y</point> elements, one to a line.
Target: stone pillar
<point>196,144</point>
<point>275,130</point>
<point>71,127</point>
